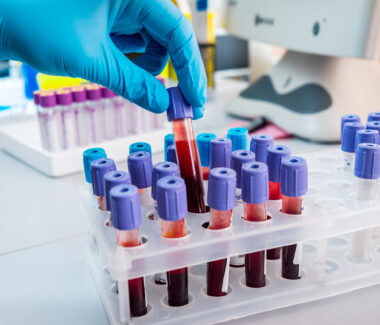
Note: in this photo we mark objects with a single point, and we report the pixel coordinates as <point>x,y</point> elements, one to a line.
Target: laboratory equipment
<point>79,99</point>
<point>171,154</point>
<point>66,119</point>
<point>366,136</point>
<point>348,118</point>
<point>140,146</point>
<point>168,141</point>
<point>110,124</point>
<point>94,113</point>
<point>111,180</point>
<point>373,125</point>
<point>259,145</point>
<point>89,156</point>
<point>374,116</point>
<point>48,120</point>
<point>239,138</point>
<point>348,144</point>
<point>220,153</point>
<point>99,168</point>
<point>204,148</point>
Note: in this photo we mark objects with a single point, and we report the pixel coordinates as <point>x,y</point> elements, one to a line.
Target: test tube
<point>99,168</point>
<point>79,98</point>
<point>374,116</point>
<point>172,209</point>
<point>126,218</point>
<point>171,154</point>
<point>274,156</point>
<point>49,120</point>
<point>140,146</point>
<point>367,172</point>
<point>134,117</point>
<point>204,147</point>
<point>255,196</point>
<point>168,141</point>
<point>221,200</point>
<point>294,184</point>
<point>36,98</point>
<point>89,156</point>
<point>94,113</point>
<point>348,144</point>
<point>120,112</point>
<point>109,116</point>
<point>66,119</point>
<point>366,136</point>
<point>220,153</point>
<point>140,169</point>
<point>180,113</point>
<point>373,125</point>
<point>160,119</point>
<point>259,145</point>
<point>348,118</point>
<point>239,138</point>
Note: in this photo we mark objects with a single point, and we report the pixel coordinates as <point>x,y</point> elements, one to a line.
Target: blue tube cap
<point>112,179</point>
<point>171,154</point>
<point>367,161</point>
<point>239,138</point>
<point>220,153</point>
<point>259,145</point>
<point>140,168</point>
<point>349,118</point>
<point>140,146</point>
<point>274,156</point>
<point>99,168</point>
<point>89,156</point>
<point>204,147</point>
<point>179,108</point>
<point>240,157</point>
<point>221,189</point>
<point>160,170</point>
<point>171,198</point>
<point>294,181</point>
<point>168,141</point>
<point>374,116</point>
<point>373,125</point>
<point>255,187</point>
<point>125,207</point>
<point>349,135</point>
<point>366,136</point>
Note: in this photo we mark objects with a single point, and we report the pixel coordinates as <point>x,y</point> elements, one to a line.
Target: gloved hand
<point>87,39</point>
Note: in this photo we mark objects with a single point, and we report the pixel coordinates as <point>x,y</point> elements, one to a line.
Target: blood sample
<point>99,168</point>
<point>168,141</point>
<point>180,113</point>
<point>374,116</point>
<point>293,188</point>
<point>239,138</point>
<point>367,172</point>
<point>220,153</point>
<point>203,142</point>
<point>94,113</point>
<point>66,119</point>
<point>171,154</point>
<point>109,113</point>
<point>348,144</point>
<point>79,98</point>
<point>140,146</point>
<point>366,136</point>
<point>140,169</point>
<point>89,156</point>
<point>126,218</point>
<point>221,200</point>
<point>255,194</point>
<point>172,209</point>
<point>373,125</point>
<point>49,120</point>
<point>259,145</point>
<point>346,119</point>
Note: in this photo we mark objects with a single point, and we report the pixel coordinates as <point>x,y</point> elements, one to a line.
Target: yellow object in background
<point>46,82</point>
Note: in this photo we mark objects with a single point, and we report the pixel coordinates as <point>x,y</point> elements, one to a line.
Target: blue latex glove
<point>87,39</point>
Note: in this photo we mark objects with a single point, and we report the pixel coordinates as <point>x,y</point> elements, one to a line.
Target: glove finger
<point>129,43</point>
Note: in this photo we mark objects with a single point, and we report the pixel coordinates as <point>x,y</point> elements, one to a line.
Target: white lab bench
<point>44,276</point>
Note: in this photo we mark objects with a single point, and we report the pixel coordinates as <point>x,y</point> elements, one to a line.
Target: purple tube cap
<point>160,170</point>
<point>107,93</point>
<point>112,179</point>
<point>140,168</point>
<point>274,156</point>
<point>221,193</point>
<point>93,92</point>
<point>240,157</point>
<point>99,168</point>
<point>259,145</point>
<point>125,207</point>
<point>64,97</point>
<point>349,135</point>
<point>294,178</point>
<point>36,97</point>
<point>79,94</point>
<point>255,185</point>
<point>48,99</point>
<point>220,152</point>
<point>367,161</point>
<point>366,136</point>
<point>373,125</point>
<point>374,116</point>
<point>171,154</point>
<point>171,198</point>
<point>179,108</point>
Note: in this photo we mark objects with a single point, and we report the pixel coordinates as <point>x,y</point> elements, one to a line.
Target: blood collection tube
<point>348,144</point>
<point>239,138</point>
<point>221,200</point>
<point>140,169</point>
<point>366,136</point>
<point>120,111</point>
<point>94,113</point>
<point>36,98</point>
<point>140,146</point>
<point>180,113</point>
<point>171,154</point>
<point>79,98</point>
<point>168,141</point>
<point>275,154</point>
<point>204,147</point>
<point>66,119</point>
<point>109,113</point>
<point>374,116</point>
<point>172,209</point>
<point>126,218</point>
<point>134,117</point>
<point>99,168</point>
<point>255,196</point>
<point>348,118</point>
<point>89,156</point>
<point>294,184</point>
<point>49,120</point>
<point>259,145</point>
<point>160,119</point>
<point>367,172</point>
<point>373,125</point>
<point>220,153</point>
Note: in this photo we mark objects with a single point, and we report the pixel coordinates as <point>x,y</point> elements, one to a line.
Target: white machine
<point>331,67</point>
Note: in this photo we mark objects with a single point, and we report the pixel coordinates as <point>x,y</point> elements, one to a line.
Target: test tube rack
<point>22,140</point>
<point>331,213</point>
